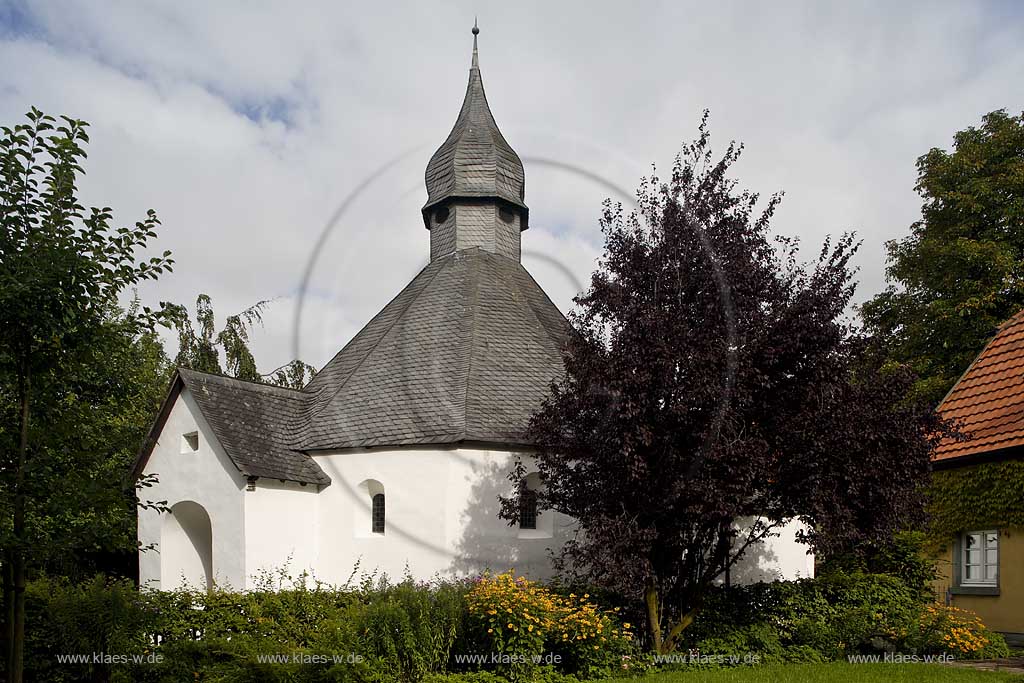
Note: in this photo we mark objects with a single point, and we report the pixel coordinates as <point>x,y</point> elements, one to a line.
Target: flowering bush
<point>955,631</point>
<point>531,625</point>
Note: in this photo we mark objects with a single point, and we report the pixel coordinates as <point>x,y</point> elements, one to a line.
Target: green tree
<point>960,272</point>
<point>62,270</point>
<point>200,345</point>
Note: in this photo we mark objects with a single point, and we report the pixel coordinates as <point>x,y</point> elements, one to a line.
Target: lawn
<point>839,672</point>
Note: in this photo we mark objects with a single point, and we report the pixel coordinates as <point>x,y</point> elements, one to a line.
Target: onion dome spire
<point>476,163</point>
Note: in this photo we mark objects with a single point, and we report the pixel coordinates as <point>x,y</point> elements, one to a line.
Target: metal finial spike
<point>476,58</point>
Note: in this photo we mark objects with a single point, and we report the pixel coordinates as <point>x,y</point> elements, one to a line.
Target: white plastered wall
<point>441,515</point>
<point>780,557</point>
<point>206,477</point>
<point>280,530</point>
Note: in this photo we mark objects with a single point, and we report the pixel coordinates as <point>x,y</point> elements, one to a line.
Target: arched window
<point>527,507</point>
<point>377,514</point>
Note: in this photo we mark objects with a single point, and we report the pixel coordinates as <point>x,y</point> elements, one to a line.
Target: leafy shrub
<point>942,629</point>
<point>907,556</point>
<point>96,616</point>
<point>411,628</point>
<point>528,623</point>
<point>806,620</point>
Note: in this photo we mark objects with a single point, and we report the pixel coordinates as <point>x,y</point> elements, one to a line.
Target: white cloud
<point>245,125</point>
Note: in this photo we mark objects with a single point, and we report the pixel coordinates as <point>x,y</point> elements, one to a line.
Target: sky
<point>277,140</point>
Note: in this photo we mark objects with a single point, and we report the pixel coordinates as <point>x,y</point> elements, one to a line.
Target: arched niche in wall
<point>369,516</point>
<point>186,547</point>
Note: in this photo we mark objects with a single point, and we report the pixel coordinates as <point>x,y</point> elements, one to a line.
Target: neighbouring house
<point>978,486</point>
<point>394,455</point>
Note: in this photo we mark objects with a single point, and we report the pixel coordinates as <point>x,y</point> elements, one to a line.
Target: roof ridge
<point>244,383</point>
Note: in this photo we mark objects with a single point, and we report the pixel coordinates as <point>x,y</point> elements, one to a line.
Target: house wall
<point>1003,612</point>
<point>280,529</point>
<point>441,515</point>
<point>441,519</point>
<point>206,477</point>
<point>780,557</point>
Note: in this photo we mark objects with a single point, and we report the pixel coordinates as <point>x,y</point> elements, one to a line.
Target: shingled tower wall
<point>475,182</point>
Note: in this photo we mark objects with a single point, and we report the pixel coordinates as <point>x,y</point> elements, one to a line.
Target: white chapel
<point>395,453</point>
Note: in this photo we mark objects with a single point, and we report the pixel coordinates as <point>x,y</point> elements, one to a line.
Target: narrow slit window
<point>527,508</point>
<point>377,514</point>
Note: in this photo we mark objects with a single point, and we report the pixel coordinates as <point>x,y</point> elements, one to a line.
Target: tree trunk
<point>16,655</point>
<point>653,615</point>
<point>8,609</point>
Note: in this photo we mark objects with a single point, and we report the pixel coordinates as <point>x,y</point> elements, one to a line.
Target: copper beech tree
<point>713,391</point>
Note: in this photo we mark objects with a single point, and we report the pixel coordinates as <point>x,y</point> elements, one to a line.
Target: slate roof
<point>475,160</point>
<point>988,400</point>
<point>254,423</point>
<point>465,352</point>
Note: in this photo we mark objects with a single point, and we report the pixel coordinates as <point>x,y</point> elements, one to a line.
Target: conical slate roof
<point>475,160</point>
<point>465,352</point>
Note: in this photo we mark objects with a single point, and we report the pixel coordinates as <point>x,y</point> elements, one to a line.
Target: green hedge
<point>830,618</point>
<point>411,632</point>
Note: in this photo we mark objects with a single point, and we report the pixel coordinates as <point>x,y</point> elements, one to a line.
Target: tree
<point>62,270</point>
<point>712,392</point>
<point>960,272</point>
<point>201,351</point>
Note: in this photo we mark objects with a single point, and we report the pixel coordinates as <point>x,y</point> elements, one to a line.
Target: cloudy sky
<point>249,126</point>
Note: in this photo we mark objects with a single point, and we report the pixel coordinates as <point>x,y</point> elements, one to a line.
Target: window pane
<point>969,573</point>
<point>972,540</point>
<point>991,539</point>
<point>527,509</point>
<point>991,556</point>
<point>990,572</point>
<point>974,557</point>
<point>377,514</point>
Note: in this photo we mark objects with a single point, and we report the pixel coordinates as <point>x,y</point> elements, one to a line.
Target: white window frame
<point>984,563</point>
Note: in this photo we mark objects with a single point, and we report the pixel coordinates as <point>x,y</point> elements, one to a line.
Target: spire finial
<point>476,58</point>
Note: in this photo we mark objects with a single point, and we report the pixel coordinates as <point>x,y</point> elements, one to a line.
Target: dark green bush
<point>379,632</point>
<point>808,620</point>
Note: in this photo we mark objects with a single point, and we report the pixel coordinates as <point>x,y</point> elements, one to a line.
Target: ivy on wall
<point>977,497</point>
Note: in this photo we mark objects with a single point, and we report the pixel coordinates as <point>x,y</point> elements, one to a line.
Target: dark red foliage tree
<point>714,391</point>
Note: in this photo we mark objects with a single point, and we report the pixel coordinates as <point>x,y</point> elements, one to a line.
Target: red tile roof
<point>988,401</point>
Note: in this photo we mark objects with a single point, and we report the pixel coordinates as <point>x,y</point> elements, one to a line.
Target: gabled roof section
<point>987,402</point>
<point>466,352</point>
<point>476,161</point>
<point>253,423</point>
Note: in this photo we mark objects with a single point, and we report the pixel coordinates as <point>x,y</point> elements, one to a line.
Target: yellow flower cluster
<point>960,631</point>
<point>521,614</point>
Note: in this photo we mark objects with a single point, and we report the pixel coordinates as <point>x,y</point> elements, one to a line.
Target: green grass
<point>839,672</point>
